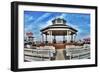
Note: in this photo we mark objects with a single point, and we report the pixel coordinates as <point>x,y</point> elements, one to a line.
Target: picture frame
<point>21,59</point>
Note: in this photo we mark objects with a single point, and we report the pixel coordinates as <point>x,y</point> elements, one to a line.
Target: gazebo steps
<point>59,46</point>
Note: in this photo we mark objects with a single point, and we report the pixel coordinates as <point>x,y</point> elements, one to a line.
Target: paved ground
<point>60,55</point>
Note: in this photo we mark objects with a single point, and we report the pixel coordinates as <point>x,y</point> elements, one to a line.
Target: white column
<point>46,38</point>
<point>71,37</point>
<point>42,39</point>
<point>67,36</point>
<point>51,36</point>
<point>75,37</point>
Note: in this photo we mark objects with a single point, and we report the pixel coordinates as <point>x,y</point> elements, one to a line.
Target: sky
<point>34,21</point>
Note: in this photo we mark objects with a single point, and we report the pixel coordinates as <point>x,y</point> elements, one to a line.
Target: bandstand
<point>58,28</point>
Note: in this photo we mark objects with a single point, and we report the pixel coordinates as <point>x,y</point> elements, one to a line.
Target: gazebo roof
<point>59,19</point>
<point>61,24</point>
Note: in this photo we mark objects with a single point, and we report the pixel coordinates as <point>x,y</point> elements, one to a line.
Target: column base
<point>64,41</point>
<point>54,41</point>
<point>46,42</point>
<point>71,41</point>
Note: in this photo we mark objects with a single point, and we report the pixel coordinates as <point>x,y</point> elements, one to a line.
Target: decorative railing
<point>77,53</point>
<point>39,54</point>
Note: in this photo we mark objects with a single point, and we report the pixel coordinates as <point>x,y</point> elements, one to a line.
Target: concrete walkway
<point>60,55</point>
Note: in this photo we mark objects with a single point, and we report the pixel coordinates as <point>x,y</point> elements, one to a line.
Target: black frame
<point>14,35</point>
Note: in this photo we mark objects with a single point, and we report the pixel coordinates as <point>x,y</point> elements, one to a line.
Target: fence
<point>77,53</point>
<point>39,54</point>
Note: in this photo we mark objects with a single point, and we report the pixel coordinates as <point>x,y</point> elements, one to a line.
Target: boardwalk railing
<point>39,54</point>
<point>77,53</point>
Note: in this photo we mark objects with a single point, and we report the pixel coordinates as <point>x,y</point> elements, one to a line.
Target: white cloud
<point>48,23</point>
<point>75,27</point>
<point>28,18</point>
<point>43,17</point>
<point>87,36</point>
<point>28,28</point>
<point>31,18</point>
<point>61,16</point>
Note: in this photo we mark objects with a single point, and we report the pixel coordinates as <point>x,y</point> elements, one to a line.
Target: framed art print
<point>52,36</point>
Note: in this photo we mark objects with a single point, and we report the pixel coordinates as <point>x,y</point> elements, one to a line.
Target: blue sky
<point>34,21</point>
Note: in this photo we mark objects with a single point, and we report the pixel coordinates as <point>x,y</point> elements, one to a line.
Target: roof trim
<point>59,27</point>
